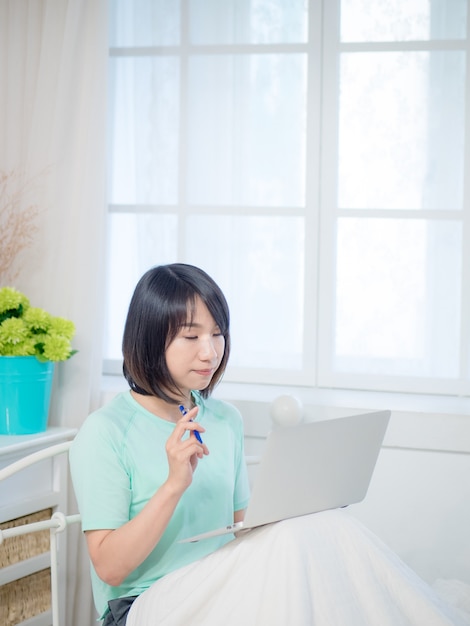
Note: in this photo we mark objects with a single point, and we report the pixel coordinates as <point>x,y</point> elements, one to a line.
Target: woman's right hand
<point>184,452</point>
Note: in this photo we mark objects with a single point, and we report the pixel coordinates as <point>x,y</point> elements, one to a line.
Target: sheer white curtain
<point>53,64</point>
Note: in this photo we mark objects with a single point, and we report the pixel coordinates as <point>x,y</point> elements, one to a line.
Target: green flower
<point>12,303</point>
<point>38,320</point>
<point>29,331</point>
<point>63,327</point>
<point>27,348</point>
<point>55,348</point>
<point>15,339</point>
<point>12,331</point>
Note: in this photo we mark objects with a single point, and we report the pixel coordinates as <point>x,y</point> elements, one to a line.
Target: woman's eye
<point>192,337</point>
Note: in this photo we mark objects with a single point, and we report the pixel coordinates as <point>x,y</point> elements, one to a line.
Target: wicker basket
<point>15,549</point>
<point>30,595</point>
<point>25,598</point>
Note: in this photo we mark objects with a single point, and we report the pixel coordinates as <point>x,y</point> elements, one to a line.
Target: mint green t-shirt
<point>118,461</point>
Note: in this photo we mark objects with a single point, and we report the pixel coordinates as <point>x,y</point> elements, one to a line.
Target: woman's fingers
<point>187,423</point>
<point>182,462</point>
<point>184,452</point>
<point>184,448</point>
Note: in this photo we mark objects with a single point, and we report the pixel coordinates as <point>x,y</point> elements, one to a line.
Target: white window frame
<point>330,212</point>
<point>321,211</point>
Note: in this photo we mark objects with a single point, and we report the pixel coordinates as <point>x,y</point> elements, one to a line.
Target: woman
<point>165,461</point>
<point>133,462</point>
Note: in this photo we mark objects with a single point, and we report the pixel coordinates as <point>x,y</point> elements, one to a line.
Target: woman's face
<point>196,352</point>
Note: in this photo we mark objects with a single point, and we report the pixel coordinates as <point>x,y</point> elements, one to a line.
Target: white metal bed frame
<point>56,524</point>
<point>58,521</point>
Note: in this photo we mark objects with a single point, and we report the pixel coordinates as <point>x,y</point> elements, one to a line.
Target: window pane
<point>248,21</point>
<point>258,262</point>
<point>136,243</point>
<point>246,138</point>
<point>144,22</point>
<point>143,146</point>
<point>403,20</point>
<point>398,297</point>
<point>401,134</point>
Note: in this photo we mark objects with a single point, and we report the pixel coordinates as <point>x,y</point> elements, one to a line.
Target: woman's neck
<point>161,408</point>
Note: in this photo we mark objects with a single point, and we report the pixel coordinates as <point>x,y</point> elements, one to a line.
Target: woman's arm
<point>117,553</point>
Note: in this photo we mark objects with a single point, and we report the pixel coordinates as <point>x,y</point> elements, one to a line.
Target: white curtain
<point>53,66</point>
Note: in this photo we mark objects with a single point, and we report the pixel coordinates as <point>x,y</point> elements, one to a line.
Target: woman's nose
<point>208,350</point>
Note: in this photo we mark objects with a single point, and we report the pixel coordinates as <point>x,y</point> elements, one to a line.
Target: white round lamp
<point>286,410</point>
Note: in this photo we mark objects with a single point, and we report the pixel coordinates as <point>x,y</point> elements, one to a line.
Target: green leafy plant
<point>29,331</point>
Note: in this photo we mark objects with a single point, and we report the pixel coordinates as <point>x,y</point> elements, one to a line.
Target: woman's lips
<point>208,372</point>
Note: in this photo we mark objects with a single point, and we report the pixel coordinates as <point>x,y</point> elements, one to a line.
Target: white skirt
<point>325,569</point>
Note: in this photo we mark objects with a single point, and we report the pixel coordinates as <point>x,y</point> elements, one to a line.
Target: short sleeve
<point>100,480</point>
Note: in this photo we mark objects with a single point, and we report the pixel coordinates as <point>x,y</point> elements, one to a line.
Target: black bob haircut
<point>162,301</point>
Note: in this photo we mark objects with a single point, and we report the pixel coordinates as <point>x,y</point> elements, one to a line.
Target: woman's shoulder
<point>109,420</point>
<point>220,408</point>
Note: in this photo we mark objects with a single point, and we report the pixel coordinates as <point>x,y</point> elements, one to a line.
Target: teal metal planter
<point>25,394</point>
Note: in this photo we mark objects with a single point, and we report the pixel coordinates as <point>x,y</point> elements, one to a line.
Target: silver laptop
<point>310,468</point>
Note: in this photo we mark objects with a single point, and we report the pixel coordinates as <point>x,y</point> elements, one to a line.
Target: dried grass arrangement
<point>17,221</point>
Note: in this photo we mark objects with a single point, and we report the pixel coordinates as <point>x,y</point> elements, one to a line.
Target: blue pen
<point>196,432</point>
